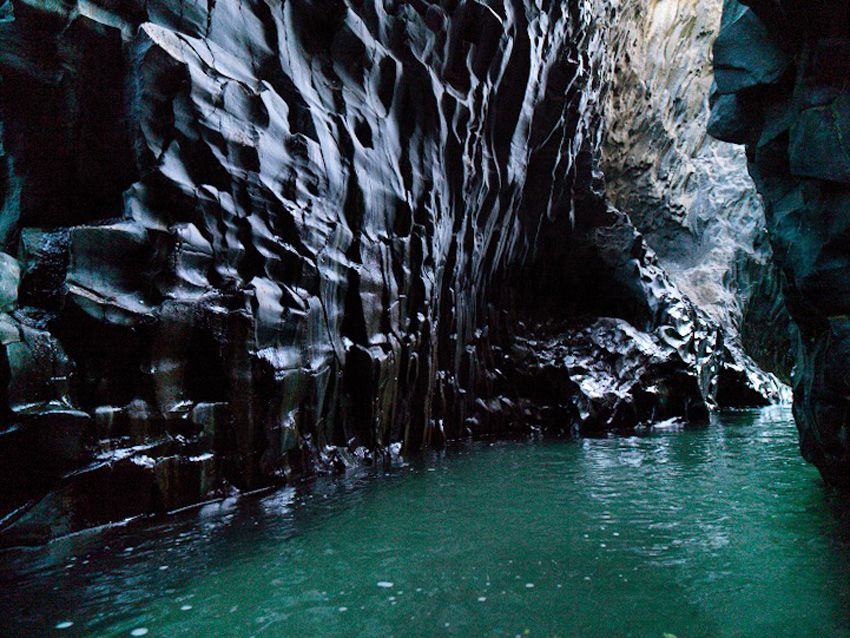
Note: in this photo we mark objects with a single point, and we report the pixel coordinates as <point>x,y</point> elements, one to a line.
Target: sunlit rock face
<point>689,194</point>
<point>780,71</point>
<point>247,239</point>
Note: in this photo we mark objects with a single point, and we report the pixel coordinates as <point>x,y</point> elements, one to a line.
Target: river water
<point>714,530</point>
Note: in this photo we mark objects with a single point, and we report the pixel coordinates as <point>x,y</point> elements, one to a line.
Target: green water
<point>719,530</point>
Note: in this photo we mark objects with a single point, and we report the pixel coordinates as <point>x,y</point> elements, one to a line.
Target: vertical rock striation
<point>250,239</point>
<point>258,237</point>
<point>780,69</point>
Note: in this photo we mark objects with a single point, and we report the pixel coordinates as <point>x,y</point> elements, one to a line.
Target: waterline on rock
<point>705,531</point>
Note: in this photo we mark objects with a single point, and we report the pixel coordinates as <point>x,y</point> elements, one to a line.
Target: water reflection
<point>718,530</point>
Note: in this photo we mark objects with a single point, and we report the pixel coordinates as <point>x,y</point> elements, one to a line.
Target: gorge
<point>785,98</point>
<point>247,243</point>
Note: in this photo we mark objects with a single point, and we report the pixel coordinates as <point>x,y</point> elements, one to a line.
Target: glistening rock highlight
<point>247,240</point>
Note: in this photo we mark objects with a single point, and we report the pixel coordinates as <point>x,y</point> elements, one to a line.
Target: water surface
<point>714,531</point>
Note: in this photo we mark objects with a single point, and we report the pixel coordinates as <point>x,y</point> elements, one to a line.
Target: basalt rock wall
<point>689,194</point>
<point>781,69</point>
<point>246,240</point>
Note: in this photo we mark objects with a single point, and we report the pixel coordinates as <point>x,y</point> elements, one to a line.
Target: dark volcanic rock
<point>790,98</point>
<point>653,356</point>
<point>258,239</point>
<point>281,234</point>
<point>607,376</point>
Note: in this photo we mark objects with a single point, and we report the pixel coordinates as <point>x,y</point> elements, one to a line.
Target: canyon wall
<point>780,69</point>
<point>246,240</point>
<point>688,193</point>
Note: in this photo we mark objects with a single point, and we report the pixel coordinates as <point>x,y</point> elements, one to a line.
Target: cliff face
<point>248,239</point>
<point>780,71</point>
<point>688,193</point>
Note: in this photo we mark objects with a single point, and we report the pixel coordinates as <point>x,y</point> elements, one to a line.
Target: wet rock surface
<point>687,193</point>
<point>780,73</point>
<point>608,376</point>
<point>254,240</point>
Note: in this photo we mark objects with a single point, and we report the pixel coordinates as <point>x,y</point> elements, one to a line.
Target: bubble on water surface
<point>385,584</point>
<point>186,608</point>
<point>139,631</point>
<point>64,624</point>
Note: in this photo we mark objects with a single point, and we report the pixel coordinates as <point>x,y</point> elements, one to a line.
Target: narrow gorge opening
<point>475,317</point>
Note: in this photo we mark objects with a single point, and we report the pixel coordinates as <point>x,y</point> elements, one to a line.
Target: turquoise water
<point>718,530</point>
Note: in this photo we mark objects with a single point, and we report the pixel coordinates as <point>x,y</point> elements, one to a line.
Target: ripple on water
<point>709,532</point>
